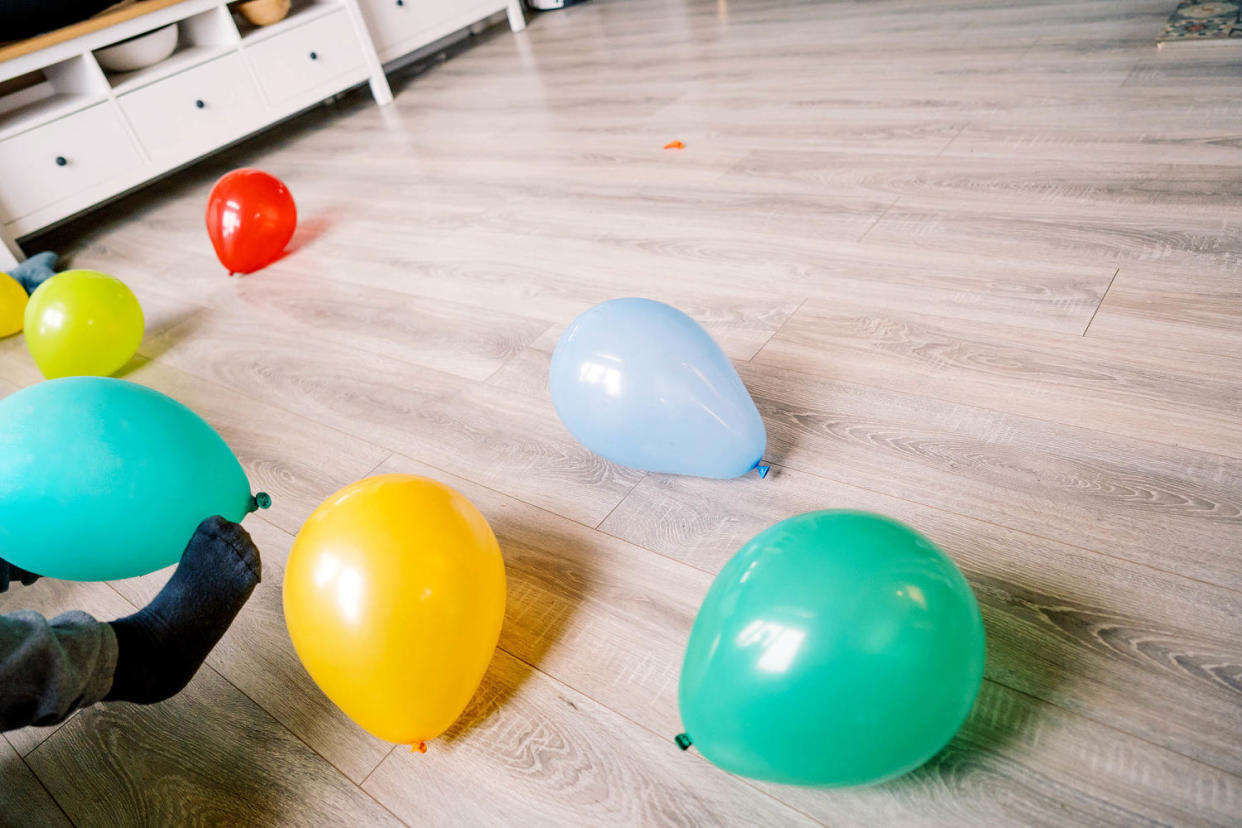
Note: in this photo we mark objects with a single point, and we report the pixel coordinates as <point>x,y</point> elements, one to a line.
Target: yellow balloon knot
<point>421,747</point>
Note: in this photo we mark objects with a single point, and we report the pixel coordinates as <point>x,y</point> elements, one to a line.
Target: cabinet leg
<point>379,82</point>
<point>380,89</point>
<point>517,20</point>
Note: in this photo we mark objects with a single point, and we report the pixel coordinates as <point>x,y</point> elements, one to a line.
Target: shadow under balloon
<point>782,442</point>
<point>1028,676</point>
<point>310,229</point>
<point>549,576</point>
<point>177,330</point>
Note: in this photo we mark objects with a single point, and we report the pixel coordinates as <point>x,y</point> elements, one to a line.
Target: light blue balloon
<point>642,384</point>
<point>103,479</point>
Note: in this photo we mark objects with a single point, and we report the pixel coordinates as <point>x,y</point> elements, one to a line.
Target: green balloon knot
<point>683,741</point>
<point>260,501</point>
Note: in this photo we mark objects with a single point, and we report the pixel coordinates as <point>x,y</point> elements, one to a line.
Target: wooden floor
<point>980,265</point>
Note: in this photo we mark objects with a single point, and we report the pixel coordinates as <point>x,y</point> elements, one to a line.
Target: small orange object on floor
<point>674,145</point>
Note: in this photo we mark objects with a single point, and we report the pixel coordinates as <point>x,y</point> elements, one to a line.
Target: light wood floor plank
<point>23,801</point>
<point>899,219</point>
<point>1210,242</point>
<point>1168,508</point>
<point>209,756</point>
<point>404,407</point>
<point>1195,311</point>
<point>593,767</point>
<point>1148,395</point>
<point>1095,635</point>
<point>1072,771</point>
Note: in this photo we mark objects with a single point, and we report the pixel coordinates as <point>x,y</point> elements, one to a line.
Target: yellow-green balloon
<point>82,323</point>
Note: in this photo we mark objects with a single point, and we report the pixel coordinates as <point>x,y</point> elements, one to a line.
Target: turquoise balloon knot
<point>260,501</point>
<point>683,741</point>
<point>763,470</point>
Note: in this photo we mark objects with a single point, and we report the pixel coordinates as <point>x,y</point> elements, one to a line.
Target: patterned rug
<point>1203,20</point>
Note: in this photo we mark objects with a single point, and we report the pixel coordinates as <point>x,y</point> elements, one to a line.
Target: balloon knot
<point>421,747</point>
<point>763,470</point>
<point>683,741</point>
<point>262,500</point>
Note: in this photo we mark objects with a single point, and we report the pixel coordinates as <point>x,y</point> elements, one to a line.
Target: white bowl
<point>139,52</point>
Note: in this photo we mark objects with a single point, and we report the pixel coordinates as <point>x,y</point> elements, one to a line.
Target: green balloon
<point>836,648</point>
<point>103,479</point>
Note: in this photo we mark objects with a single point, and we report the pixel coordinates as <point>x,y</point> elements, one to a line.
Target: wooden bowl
<point>263,12</point>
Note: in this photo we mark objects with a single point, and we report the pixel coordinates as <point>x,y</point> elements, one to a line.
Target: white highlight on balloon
<point>594,373</point>
<point>348,582</point>
<point>780,644</point>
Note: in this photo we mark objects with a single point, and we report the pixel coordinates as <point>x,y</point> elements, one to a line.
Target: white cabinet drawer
<point>307,57</point>
<point>393,21</point>
<point>201,107</point>
<point>53,162</point>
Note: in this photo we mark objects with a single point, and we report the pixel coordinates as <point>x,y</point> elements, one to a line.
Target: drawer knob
<point>199,103</point>
<point>314,56</point>
<point>400,2</point>
<point>61,161</point>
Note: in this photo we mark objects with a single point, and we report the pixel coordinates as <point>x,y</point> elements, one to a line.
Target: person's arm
<point>48,669</point>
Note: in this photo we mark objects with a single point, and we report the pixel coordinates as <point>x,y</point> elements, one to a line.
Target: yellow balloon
<point>394,595</point>
<point>82,323</point>
<point>12,305</point>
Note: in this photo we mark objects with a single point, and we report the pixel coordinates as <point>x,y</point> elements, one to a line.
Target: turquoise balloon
<point>103,479</point>
<point>836,648</point>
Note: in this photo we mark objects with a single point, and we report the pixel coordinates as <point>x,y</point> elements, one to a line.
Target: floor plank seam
<point>1030,48</point>
<point>624,498</point>
<point>52,731</point>
<point>878,218</point>
<point>945,148</point>
<point>391,454</point>
<point>779,328</point>
<point>1100,304</point>
<point>509,359</point>
<point>39,779</point>
<point>372,771</point>
<point>1130,75</point>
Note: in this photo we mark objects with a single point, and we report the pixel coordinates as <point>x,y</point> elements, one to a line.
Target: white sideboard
<point>74,136</point>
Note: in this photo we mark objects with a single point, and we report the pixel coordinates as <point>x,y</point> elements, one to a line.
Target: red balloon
<point>250,218</point>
